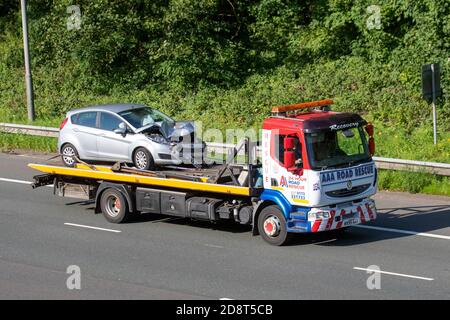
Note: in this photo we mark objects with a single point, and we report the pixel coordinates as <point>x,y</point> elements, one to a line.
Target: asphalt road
<point>158,258</point>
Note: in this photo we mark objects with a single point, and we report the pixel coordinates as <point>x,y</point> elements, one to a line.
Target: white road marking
<point>15,181</point>
<point>225,299</point>
<point>90,227</point>
<point>28,156</point>
<point>394,274</point>
<point>213,246</point>
<point>422,234</point>
<point>20,181</point>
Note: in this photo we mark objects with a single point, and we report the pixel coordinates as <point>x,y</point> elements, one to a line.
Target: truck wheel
<point>143,160</point>
<point>68,152</point>
<point>114,206</point>
<point>272,226</point>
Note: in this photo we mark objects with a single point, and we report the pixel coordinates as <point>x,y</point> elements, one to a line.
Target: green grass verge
<point>414,182</point>
<point>9,142</point>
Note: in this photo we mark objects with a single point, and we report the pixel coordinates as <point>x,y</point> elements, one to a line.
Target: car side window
<point>87,119</point>
<point>109,122</point>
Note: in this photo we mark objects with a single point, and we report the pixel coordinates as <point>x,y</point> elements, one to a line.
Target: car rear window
<point>87,119</point>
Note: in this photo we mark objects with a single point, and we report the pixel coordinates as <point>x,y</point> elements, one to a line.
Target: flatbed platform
<point>106,173</point>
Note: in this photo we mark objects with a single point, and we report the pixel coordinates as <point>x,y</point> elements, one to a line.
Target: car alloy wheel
<point>141,159</point>
<point>68,155</point>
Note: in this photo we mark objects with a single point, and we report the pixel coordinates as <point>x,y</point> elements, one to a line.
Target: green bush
<point>413,182</point>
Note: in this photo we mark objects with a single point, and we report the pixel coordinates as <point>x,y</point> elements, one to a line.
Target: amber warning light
<point>304,105</point>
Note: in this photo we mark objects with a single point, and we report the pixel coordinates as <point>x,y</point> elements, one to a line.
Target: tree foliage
<point>239,53</point>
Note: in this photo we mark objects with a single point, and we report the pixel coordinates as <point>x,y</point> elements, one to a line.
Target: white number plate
<point>350,222</point>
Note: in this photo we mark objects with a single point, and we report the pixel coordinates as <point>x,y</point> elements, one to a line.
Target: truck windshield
<point>328,149</point>
<point>142,117</point>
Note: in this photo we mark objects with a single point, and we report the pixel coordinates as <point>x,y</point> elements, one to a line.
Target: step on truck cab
<point>314,173</point>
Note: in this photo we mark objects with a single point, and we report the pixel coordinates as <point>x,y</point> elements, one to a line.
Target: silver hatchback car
<point>130,133</point>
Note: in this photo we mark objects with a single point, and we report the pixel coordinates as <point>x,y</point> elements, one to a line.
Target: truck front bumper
<point>332,218</point>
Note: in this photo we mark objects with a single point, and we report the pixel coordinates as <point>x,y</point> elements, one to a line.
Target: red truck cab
<point>318,167</point>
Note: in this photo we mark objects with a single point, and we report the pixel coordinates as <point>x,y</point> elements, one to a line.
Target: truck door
<point>283,166</point>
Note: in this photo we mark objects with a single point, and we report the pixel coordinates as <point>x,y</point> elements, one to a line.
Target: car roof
<point>116,108</point>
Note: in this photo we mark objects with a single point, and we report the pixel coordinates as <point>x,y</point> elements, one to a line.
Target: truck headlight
<point>319,215</point>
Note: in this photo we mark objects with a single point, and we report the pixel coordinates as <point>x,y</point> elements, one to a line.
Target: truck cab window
<point>279,149</point>
<point>278,140</point>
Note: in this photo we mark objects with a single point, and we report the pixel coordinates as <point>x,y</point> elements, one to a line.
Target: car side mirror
<point>122,129</point>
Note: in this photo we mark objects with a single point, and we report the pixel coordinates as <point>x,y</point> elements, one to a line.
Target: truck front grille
<point>348,193</point>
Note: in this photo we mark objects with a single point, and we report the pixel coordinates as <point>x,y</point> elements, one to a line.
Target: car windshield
<point>142,117</point>
<point>337,148</point>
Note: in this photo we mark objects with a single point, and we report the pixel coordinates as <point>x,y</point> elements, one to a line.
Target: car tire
<point>114,206</point>
<point>272,226</point>
<point>143,160</point>
<point>68,152</point>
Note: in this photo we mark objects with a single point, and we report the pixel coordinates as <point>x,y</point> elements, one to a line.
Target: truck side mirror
<point>289,159</point>
<point>369,130</point>
<point>288,143</point>
<point>289,154</point>
<point>371,146</point>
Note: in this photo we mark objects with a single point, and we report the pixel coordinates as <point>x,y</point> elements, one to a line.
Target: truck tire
<point>114,206</point>
<point>143,160</point>
<point>272,226</point>
<point>68,152</point>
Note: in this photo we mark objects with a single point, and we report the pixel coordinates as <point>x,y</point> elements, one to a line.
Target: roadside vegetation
<point>226,62</point>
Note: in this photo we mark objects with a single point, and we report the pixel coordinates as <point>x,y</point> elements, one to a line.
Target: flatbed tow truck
<point>315,173</point>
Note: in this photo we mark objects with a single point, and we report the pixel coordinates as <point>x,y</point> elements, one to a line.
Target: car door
<point>85,129</point>
<point>111,145</point>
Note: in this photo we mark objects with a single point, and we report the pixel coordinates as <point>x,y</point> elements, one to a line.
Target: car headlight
<point>158,139</point>
<point>319,215</point>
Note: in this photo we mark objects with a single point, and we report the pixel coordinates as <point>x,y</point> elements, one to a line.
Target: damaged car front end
<point>175,143</point>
